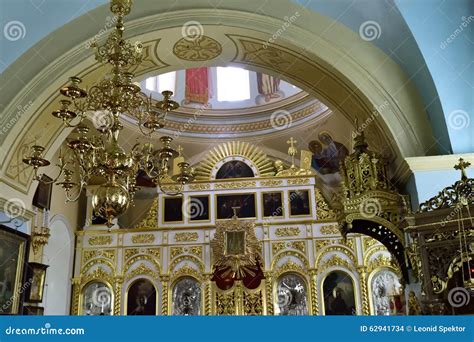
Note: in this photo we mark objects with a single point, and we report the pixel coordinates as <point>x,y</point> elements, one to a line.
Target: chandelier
<point>98,154</point>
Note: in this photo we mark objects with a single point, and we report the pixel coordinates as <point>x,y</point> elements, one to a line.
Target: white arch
<point>59,255</point>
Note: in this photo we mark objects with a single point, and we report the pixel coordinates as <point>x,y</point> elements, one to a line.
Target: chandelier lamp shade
<point>97,152</point>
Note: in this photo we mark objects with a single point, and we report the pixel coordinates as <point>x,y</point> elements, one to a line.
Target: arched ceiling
<point>411,33</point>
<point>338,69</point>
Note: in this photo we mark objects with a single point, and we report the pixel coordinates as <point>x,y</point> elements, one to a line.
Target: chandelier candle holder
<point>99,155</point>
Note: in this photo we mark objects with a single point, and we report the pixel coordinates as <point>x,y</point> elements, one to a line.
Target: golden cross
<point>292,151</point>
<point>462,166</point>
<point>179,149</point>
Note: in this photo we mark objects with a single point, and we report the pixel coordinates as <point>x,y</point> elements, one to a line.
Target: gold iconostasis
<point>173,262</point>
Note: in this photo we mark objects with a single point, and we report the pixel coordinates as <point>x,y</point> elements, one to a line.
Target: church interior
<point>244,158</point>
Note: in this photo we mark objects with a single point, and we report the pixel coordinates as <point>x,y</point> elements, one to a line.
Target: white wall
<point>58,254</point>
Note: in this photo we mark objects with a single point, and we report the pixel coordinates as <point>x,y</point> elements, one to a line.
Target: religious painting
<point>173,209</point>
<point>291,297</point>
<point>198,86</point>
<point>272,204</point>
<point>186,299</point>
<point>338,291</point>
<point>387,293</point>
<point>235,243</point>
<point>141,298</point>
<point>42,196</point>
<point>97,299</point>
<point>300,203</point>
<point>198,209</point>
<point>234,169</point>
<point>36,275</point>
<point>12,261</point>
<point>268,89</point>
<point>327,153</point>
<point>244,206</point>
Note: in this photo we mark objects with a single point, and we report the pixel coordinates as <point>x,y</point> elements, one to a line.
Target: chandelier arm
<point>76,197</point>
<point>178,192</point>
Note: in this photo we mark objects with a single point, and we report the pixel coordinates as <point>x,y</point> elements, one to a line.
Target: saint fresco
<point>327,153</point>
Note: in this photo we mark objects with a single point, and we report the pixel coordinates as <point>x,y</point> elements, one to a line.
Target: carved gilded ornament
<point>198,49</point>
<point>298,181</point>
<point>287,232</point>
<point>175,251</point>
<point>242,149</point>
<point>187,258</point>
<point>88,254</point>
<point>253,303</point>
<point>290,266</point>
<point>141,270</point>
<point>271,182</point>
<point>185,237</point>
<point>240,260</point>
<point>100,240</point>
<point>369,242</point>
<point>336,260</point>
<point>151,218</point>
<point>330,230</point>
<point>235,185</point>
<point>335,248</point>
<point>99,274</point>
<point>143,238</point>
<point>323,212</point>
<point>186,271</point>
<point>199,186</point>
<point>292,254</point>
<point>383,261</point>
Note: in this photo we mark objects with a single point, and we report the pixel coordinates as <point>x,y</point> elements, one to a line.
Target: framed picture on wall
<point>198,208</point>
<point>244,202</point>
<point>173,209</point>
<point>36,276</point>
<point>13,253</point>
<point>42,197</point>
<point>299,203</point>
<point>272,204</point>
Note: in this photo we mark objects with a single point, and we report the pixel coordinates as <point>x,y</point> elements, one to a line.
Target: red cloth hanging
<point>198,85</point>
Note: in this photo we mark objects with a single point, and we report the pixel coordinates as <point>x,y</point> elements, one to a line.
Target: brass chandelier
<point>100,155</point>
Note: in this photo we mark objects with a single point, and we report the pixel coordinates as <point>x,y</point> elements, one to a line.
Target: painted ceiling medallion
<point>202,48</point>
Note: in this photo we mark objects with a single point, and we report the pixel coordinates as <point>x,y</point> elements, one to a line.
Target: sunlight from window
<point>232,84</point>
<point>162,82</point>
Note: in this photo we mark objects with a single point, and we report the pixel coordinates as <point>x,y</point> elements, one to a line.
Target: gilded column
<point>364,290</point>
<point>314,292</point>
<point>207,295</point>
<point>164,296</point>
<point>76,287</point>
<point>269,292</point>
<point>118,295</point>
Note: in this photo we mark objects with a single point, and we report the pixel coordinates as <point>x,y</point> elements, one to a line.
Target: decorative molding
<point>100,240</point>
<point>197,49</point>
<point>143,238</point>
<point>184,237</point>
<point>284,232</point>
<point>330,230</point>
